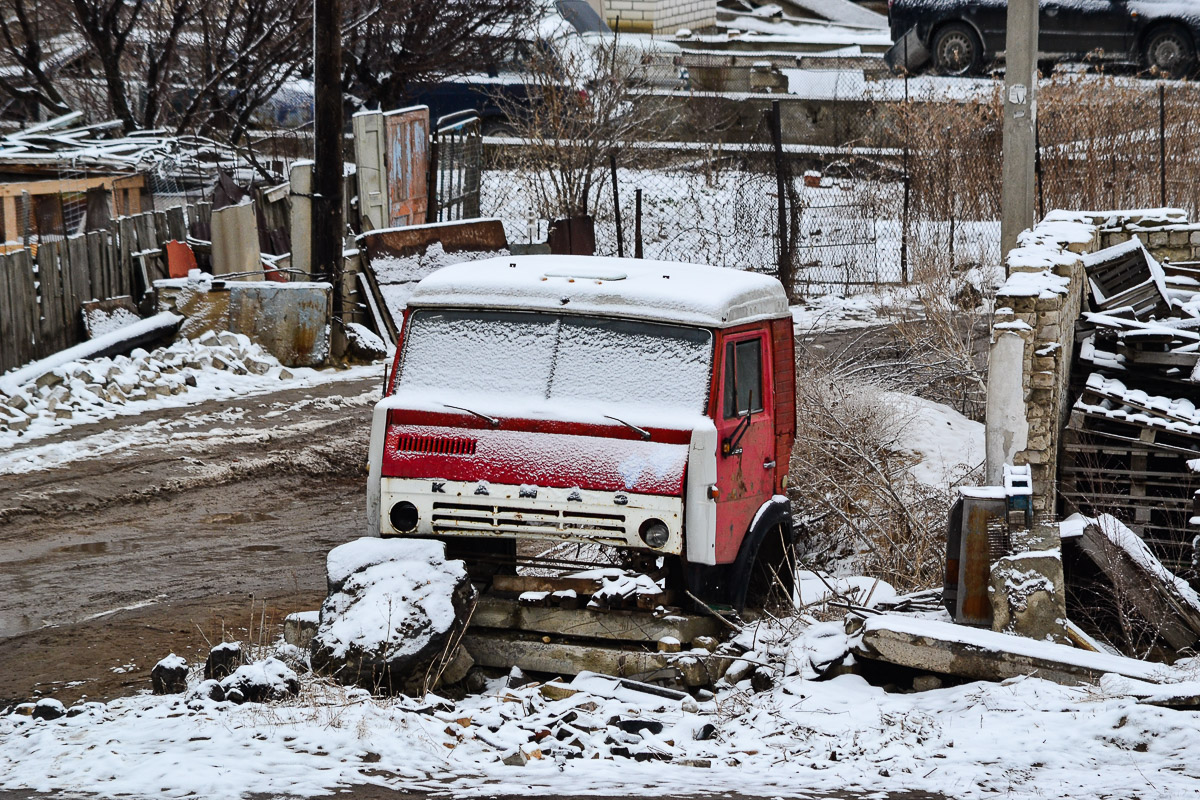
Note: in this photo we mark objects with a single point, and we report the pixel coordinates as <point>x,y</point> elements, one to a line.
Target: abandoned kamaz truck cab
<point>642,405</point>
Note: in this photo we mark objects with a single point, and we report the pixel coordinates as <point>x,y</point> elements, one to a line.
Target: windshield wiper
<point>645,434</point>
<point>495,423</point>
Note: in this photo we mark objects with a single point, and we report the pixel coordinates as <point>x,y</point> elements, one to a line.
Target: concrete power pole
<point>328,228</point>
<point>1020,123</point>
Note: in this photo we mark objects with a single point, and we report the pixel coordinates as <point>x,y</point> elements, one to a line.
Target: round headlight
<point>404,517</point>
<point>655,533</point>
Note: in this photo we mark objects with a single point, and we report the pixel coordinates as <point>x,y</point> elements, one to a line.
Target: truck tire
<point>1170,52</point>
<point>956,50</point>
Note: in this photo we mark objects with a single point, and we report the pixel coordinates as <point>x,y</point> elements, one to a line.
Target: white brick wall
<point>662,16</point>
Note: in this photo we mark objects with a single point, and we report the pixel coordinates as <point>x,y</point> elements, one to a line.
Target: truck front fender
<point>775,512</point>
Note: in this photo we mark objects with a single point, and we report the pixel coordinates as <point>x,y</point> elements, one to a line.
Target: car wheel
<point>957,50</point>
<point>1170,52</point>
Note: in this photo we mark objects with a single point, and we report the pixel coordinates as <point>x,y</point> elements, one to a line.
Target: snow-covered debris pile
<point>261,682</point>
<point>395,610</point>
<point>169,676</point>
<point>94,388</point>
<point>363,344</point>
<point>398,275</point>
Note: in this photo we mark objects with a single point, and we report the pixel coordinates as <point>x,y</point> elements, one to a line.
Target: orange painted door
<point>407,157</point>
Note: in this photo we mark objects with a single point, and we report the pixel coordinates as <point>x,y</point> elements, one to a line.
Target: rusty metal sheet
<point>475,235</point>
<point>290,320</point>
<point>975,559</point>
<point>407,157</point>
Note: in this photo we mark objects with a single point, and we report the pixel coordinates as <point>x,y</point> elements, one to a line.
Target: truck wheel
<point>1170,52</point>
<point>957,50</point>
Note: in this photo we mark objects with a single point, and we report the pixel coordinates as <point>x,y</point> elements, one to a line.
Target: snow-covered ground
<point>1023,738</point>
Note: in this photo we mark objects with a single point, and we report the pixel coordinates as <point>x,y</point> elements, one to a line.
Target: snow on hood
<point>543,459</point>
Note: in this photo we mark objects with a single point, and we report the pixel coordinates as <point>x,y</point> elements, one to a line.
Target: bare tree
<point>390,45</point>
<point>579,105</point>
<point>191,64</point>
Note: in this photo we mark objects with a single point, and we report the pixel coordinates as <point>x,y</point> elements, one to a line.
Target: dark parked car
<point>961,36</point>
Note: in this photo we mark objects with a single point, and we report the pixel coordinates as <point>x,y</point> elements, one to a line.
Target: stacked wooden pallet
<point>1135,426</point>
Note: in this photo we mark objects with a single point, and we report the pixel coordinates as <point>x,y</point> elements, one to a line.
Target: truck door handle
<point>768,465</point>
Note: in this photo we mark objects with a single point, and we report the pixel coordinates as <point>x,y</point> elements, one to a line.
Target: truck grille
<point>437,445</point>
<point>461,517</point>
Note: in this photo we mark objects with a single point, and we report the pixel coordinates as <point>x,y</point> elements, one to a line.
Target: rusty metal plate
<point>476,235</point>
<point>290,320</point>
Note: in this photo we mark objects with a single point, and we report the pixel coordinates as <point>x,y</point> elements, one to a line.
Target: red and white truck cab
<point>639,404</point>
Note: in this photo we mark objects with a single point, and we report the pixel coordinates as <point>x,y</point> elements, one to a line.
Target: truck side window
<point>743,377</point>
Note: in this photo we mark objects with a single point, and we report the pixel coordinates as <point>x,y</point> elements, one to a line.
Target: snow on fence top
<point>691,294</point>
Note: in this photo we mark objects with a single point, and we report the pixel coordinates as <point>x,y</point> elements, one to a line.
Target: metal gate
<point>456,162</point>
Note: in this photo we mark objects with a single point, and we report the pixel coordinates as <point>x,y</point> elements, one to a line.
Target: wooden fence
<point>40,296</point>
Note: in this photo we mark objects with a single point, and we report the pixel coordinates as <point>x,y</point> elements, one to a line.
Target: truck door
<point>746,433</point>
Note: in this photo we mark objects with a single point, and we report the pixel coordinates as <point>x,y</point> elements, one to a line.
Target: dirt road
<point>171,530</point>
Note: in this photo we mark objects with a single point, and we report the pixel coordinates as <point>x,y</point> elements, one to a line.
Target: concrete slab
<point>949,649</point>
<point>503,650</point>
<point>630,626</point>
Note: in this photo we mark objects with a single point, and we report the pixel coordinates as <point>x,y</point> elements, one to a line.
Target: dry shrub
<point>1098,140</point>
<point>853,496</point>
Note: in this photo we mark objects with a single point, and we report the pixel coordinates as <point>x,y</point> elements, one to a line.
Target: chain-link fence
<point>910,183</point>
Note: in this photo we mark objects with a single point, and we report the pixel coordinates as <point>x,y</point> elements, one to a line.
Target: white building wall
<point>662,17</point>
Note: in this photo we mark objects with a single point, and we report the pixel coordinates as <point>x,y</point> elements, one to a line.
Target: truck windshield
<point>537,357</point>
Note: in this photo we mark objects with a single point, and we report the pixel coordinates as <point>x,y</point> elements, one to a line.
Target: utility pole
<point>328,126</point>
<point>1017,196</point>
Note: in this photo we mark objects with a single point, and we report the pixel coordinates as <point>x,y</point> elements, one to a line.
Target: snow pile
<point>364,340</point>
<point>269,679</point>
<point>397,276</point>
<point>392,605</point>
<point>99,321</point>
<point>948,446</point>
<point>813,588</point>
<point>92,389</point>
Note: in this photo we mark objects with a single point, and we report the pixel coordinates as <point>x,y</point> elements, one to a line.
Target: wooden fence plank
<point>8,317</point>
<point>177,224</point>
<point>27,308</point>
<point>126,247</point>
<point>81,286</point>
<point>49,299</point>
<point>95,265</point>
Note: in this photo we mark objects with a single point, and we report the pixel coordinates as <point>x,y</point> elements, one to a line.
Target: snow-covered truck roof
<point>664,291</point>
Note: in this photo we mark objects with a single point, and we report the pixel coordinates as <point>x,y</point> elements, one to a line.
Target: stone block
<point>1028,597</point>
<point>1049,333</point>
<point>1049,317</point>
<point>1042,380</point>
<point>1158,239</point>
<point>1194,237</point>
<point>299,628</point>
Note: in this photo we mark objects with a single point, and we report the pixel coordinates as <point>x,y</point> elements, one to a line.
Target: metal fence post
<point>904,212</point>
<point>781,268</point>
<point>637,224</point>
<point>1162,145</point>
<point>612,164</point>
